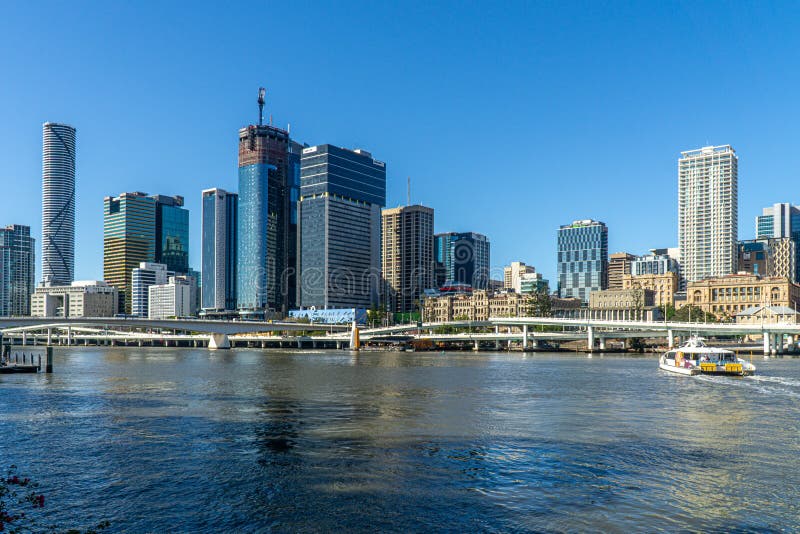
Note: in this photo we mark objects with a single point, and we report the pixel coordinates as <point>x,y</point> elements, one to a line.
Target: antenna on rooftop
<point>261,93</point>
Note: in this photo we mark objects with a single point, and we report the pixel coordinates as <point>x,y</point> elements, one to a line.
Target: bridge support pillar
<point>670,339</point>
<point>24,338</point>
<point>767,342</point>
<point>589,338</point>
<point>141,343</point>
<point>218,341</point>
<point>779,344</point>
<point>476,346</point>
<point>602,344</point>
<point>496,341</point>
<point>524,337</point>
<point>69,336</point>
<point>49,336</point>
<point>534,343</point>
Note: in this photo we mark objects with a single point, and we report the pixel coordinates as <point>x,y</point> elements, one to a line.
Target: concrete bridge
<point>217,331</point>
<point>525,331</point>
<point>596,332</point>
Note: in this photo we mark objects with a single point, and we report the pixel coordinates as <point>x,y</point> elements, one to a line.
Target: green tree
<point>692,314</point>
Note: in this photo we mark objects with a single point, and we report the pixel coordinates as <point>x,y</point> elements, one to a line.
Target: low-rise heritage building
<point>79,299</point>
<point>664,286</point>
<point>635,304</point>
<point>768,315</point>
<point>728,295</point>
<point>479,306</point>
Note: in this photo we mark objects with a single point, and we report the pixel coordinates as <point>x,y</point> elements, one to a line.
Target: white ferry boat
<point>694,358</point>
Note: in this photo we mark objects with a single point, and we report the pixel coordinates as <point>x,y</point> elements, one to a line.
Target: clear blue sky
<point>510,118</point>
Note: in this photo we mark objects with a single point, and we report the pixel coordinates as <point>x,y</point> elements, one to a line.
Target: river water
<point>190,440</point>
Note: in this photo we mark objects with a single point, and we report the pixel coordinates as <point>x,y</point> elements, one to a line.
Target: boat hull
<point>16,369</point>
<point>679,370</point>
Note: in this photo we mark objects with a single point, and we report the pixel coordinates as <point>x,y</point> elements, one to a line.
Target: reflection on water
<point>210,441</point>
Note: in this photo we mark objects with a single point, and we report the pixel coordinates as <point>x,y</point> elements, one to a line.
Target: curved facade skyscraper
<point>58,204</point>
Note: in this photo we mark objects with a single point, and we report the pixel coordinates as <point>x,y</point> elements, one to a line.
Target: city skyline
<point>444,173</point>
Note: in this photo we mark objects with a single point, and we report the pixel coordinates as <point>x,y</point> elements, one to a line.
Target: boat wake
<point>765,385</point>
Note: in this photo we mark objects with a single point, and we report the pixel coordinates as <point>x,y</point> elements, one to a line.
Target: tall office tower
<point>465,257</point>
<point>145,275</point>
<point>768,256</point>
<point>172,233</point>
<point>582,259</point>
<point>129,238</point>
<point>341,195</point>
<point>407,259</point>
<point>58,204</point>
<point>219,250</point>
<point>707,211</point>
<point>513,272</point>
<point>780,221</point>
<point>17,270</point>
<point>263,231</point>
<point>619,264</point>
<point>292,277</point>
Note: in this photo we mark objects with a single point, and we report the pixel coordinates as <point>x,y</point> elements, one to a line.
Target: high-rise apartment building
<point>145,275</point>
<point>17,270</point>
<point>582,259</point>
<point>172,233</point>
<point>707,212</point>
<point>619,264</point>
<point>262,278</point>
<point>407,255</point>
<point>58,203</point>
<point>219,250</point>
<point>465,256</point>
<point>781,221</point>
<point>341,195</point>
<point>129,238</point>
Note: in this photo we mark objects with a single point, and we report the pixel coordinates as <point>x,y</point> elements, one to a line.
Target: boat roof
<point>702,350</point>
<point>697,345</point>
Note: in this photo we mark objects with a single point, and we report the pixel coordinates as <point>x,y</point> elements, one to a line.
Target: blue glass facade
<point>262,280</point>
<point>582,259</point>
<point>465,257</point>
<point>218,287</point>
<point>251,288</point>
<point>172,233</point>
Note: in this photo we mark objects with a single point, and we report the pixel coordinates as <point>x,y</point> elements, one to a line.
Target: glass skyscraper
<point>17,270</point>
<point>465,257</point>
<point>263,229</point>
<point>341,195</point>
<point>219,250</point>
<point>582,259</point>
<point>172,233</point>
<point>129,238</point>
<point>58,204</point>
